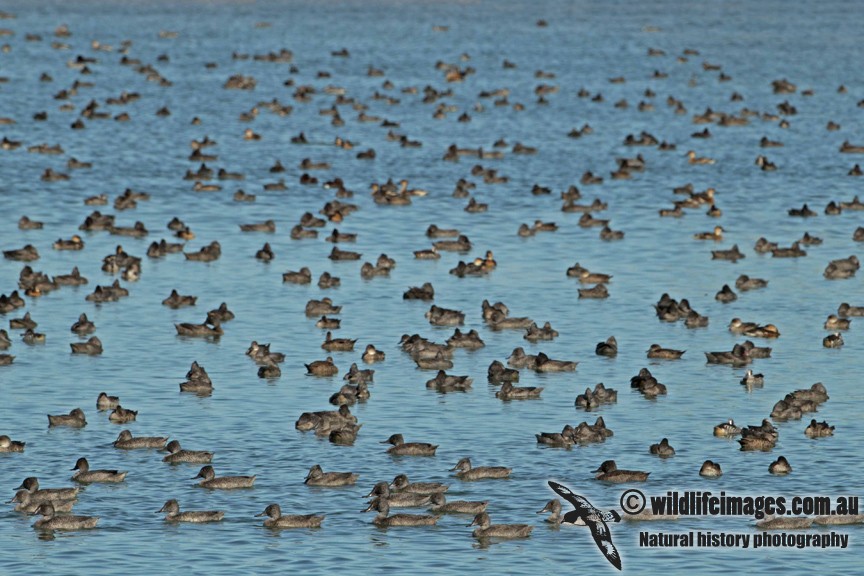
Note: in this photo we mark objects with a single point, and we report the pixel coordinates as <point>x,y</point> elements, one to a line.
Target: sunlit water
<point>249,422</point>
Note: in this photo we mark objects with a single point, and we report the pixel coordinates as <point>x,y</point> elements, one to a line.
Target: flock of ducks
<point>339,425</point>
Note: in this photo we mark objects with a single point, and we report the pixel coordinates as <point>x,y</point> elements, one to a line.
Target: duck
<point>211,481</point>
<point>468,340</point>
<point>28,253</point>
<point>83,325</point>
<point>438,361</point>
<point>818,429</point>
<point>588,221</point>
<point>429,254</point>
<point>343,255</point>
<point>433,231</point>
<point>176,454</point>
<point>534,333</point>
<point>125,441</point>
<point>299,233</point>
<point>803,212</point>
<point>275,518</point>
<point>594,398</point>
<point>586,276</point>
<point>122,415</point>
<point>32,337</point>
<point>599,292</point>
<point>176,300</point>
<point>325,419</point>
<point>727,428</point>
<point>444,382</point>
<point>31,485</point>
<point>835,323</point>
<point>662,449</point>
<point>402,484</point>
<point>75,419</point>
<point>5,342</point>
<point>269,370</point>
<point>733,254</point>
<point>761,438</point>
<point>608,348</point>
<point>794,251</point>
<point>401,448</point>
<point>441,506</point>
<point>784,523</point>
<point>563,439</point>
<point>210,328</point>
<point>763,246</point>
<point>780,466</point>
<point>716,234</point>
<point>544,364</point>
<point>265,253</point>
<point>739,356</point>
<point>323,306</point>
<point>510,392</point>
<point>438,316</point>
<point>710,469</point>
<point>751,379</point>
<point>833,341</point>
<point>92,346</point>
<point>371,355</point>
<point>553,507</point>
<point>838,520</point>
<point>357,376</point>
<point>725,295</point>
<point>400,499</point>
<point>497,373</point>
<point>28,505</point>
<point>86,476</point>
<point>337,344</point>
<point>302,276</point>
<point>209,253</point>
<point>322,368</point>
<point>261,354</point>
<point>464,471</point>
<point>74,243</point>
<point>485,528</point>
<point>498,320</point>
<point>242,196</point>
<point>173,514</point>
<point>23,323</point>
<point>51,522</point>
<point>198,381</point>
<point>692,158</point>
<point>656,351</point>
<point>8,445</point>
<point>461,244</point>
<point>609,472</point>
<point>337,236</point>
<point>384,520</point>
<point>317,477</point>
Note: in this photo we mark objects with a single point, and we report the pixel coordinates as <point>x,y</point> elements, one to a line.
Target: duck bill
<point>261,514</point>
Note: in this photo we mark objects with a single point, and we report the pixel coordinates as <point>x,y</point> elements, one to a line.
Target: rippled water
<point>249,422</point>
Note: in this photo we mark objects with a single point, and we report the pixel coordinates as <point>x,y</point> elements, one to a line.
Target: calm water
<point>249,422</point>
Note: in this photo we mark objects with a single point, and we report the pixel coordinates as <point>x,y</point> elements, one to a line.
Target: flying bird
<point>584,513</point>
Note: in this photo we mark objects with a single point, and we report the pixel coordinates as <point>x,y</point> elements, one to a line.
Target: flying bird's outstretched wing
<point>603,538</point>
<point>580,503</point>
<point>594,519</point>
